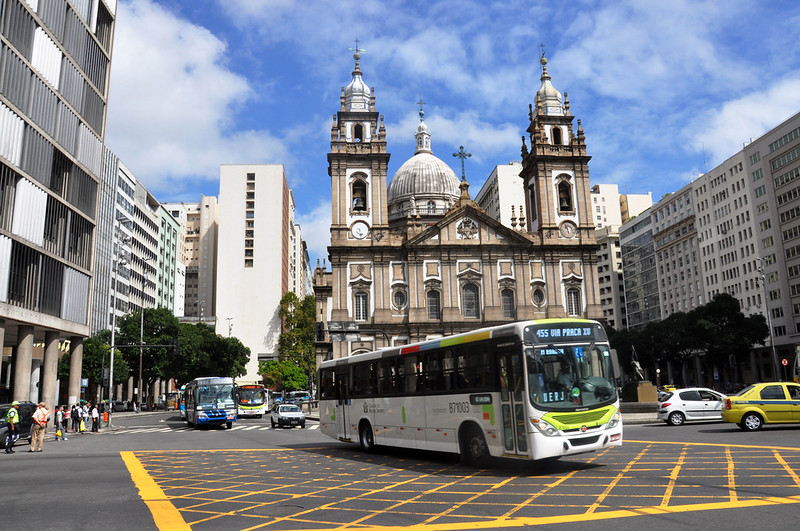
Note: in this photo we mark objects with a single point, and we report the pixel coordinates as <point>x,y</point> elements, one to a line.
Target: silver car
<point>287,416</point>
<point>691,404</point>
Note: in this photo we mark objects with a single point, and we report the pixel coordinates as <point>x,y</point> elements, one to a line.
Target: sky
<point>665,90</point>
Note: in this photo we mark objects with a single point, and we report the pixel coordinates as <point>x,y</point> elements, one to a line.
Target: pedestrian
<point>75,418</point>
<point>39,427</point>
<point>59,424</point>
<point>95,418</point>
<point>12,418</point>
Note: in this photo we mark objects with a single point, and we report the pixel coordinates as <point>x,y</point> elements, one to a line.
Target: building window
<point>434,311</point>
<point>400,299</point>
<point>361,299</point>
<point>507,302</point>
<point>573,301</point>
<point>564,197</point>
<point>538,296</point>
<point>469,298</point>
<point>431,207</point>
<point>251,176</point>
<point>557,136</point>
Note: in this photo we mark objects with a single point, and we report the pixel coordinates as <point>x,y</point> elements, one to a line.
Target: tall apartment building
<point>255,223</point>
<point>199,254</point>
<point>502,195</point>
<point>640,274</point>
<point>772,164</point>
<point>609,207</point>
<point>55,60</point>
<point>299,262</point>
<point>198,223</point>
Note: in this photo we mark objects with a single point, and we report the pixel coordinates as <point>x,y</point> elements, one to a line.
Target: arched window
<point>434,308</point>
<point>469,298</point>
<point>358,133</point>
<point>573,301</point>
<point>507,302</point>
<point>538,296</point>
<point>556,132</point>
<point>564,197</point>
<point>359,195</point>
<point>361,300</point>
<point>431,207</point>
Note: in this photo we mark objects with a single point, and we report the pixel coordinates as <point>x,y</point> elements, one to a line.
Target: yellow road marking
<point>165,515</point>
<point>731,476</point>
<point>718,445</point>
<point>673,478</point>
<point>599,501</point>
<point>786,467</point>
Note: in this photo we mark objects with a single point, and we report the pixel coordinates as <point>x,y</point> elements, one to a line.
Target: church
<point>414,258</point>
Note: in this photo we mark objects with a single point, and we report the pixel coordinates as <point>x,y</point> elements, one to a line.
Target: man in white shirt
<point>39,426</point>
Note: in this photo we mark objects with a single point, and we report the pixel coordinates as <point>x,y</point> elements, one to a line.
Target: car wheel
<point>229,425</point>
<point>280,423</point>
<point>751,422</point>
<point>272,422</point>
<point>676,418</point>
<point>366,438</point>
<point>474,451</point>
<point>258,416</point>
<point>302,424</point>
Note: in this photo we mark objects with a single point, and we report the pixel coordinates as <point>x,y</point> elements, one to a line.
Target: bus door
<point>510,370</point>
<point>342,405</point>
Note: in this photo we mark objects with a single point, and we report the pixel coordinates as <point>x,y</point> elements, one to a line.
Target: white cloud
<point>724,130</point>
<point>173,101</point>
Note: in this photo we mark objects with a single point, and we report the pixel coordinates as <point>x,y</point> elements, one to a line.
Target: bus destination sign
<point>563,333</point>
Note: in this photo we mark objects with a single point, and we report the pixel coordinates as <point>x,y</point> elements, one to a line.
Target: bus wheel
<point>474,451</point>
<point>365,437</point>
<point>229,425</point>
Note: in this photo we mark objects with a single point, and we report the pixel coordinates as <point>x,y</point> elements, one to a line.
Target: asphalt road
<point>155,473</point>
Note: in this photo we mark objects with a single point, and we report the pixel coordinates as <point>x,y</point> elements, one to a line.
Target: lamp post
<point>769,319</point>
<point>119,260</point>
<point>141,326</point>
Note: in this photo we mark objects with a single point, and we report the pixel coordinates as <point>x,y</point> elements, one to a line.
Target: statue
<point>638,374</point>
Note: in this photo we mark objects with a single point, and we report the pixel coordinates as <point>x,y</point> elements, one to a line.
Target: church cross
<point>462,155</point>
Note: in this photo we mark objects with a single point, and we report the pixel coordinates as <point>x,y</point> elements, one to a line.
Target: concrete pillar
<point>130,389</point>
<point>22,363</point>
<point>36,377</point>
<point>75,368</point>
<point>50,370</point>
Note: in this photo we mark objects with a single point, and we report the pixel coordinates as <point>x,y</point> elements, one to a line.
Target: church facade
<point>415,258</point>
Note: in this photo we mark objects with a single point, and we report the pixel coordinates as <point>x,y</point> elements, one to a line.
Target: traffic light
<point>320,331</point>
<point>174,346</point>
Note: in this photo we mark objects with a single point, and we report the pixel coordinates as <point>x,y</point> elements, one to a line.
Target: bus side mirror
<point>615,363</point>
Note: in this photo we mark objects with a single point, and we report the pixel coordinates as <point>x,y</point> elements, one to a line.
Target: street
<point>155,473</point>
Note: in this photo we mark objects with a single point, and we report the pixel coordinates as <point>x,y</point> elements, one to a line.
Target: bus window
<point>409,374</point>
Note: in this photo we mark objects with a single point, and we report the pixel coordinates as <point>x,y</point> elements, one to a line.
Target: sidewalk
<point>639,412</point>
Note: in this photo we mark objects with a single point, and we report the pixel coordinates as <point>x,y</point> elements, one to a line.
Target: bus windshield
<point>251,396</point>
<point>215,395</point>
<point>568,376</point>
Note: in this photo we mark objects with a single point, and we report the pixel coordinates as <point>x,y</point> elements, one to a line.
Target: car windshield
<point>289,409</point>
<point>569,376</point>
<point>745,390</point>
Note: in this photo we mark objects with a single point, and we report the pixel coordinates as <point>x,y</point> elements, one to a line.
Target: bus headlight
<point>614,422</point>
<point>201,415</point>
<point>544,427</point>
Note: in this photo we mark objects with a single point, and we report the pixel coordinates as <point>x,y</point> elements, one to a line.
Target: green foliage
<point>95,358</point>
<point>296,343</point>
<point>282,375</point>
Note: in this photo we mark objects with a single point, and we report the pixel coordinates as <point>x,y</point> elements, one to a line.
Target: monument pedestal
<point>639,392</point>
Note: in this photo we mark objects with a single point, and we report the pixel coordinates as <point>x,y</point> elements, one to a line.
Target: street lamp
<point>141,325</point>
<point>769,318</point>
<point>118,261</point>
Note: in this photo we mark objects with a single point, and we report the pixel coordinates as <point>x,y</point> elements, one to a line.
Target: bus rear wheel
<point>365,437</point>
<point>229,425</point>
<point>474,450</point>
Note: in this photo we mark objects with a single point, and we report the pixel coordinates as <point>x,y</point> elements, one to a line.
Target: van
<point>26,411</point>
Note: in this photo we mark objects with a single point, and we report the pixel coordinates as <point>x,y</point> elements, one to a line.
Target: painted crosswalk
<point>183,428</point>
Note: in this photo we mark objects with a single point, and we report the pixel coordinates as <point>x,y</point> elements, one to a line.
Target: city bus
<point>182,402</point>
<point>532,390</point>
<point>796,368</point>
<point>251,400</point>
<point>210,401</point>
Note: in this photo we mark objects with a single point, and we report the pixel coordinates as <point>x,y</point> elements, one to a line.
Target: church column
<point>50,369</point>
<point>75,368</point>
<point>22,364</point>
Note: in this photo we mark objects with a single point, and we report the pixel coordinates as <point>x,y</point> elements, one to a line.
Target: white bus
<point>252,399</point>
<point>210,401</point>
<point>533,390</point>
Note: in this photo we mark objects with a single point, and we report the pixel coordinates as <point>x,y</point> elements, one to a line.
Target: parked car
<point>287,415</point>
<point>26,410</point>
<point>691,404</point>
<point>763,403</point>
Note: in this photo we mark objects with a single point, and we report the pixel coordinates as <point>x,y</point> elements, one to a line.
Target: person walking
<point>75,418</point>
<point>61,423</point>
<point>12,418</point>
<point>95,418</point>
<point>39,427</point>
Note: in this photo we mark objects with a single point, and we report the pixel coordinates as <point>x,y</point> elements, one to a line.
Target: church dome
<point>424,184</point>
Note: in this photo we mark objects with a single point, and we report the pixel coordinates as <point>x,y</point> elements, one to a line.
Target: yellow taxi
<point>763,403</point>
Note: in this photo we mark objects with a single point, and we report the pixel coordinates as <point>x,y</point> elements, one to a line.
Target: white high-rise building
<point>502,196</point>
<point>255,226</point>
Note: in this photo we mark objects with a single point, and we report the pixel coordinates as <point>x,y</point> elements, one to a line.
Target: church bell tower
<point>357,165</point>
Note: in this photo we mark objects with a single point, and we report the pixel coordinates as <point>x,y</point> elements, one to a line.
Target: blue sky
<point>665,90</point>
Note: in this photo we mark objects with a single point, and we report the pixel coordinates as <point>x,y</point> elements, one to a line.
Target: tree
<point>201,352</point>
<point>160,328</point>
<point>296,343</point>
<point>95,358</point>
<point>282,375</point>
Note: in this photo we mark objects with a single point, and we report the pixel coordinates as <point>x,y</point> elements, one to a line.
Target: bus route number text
<point>459,407</point>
